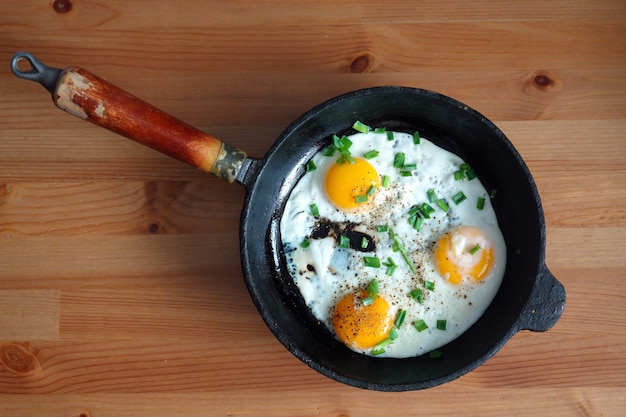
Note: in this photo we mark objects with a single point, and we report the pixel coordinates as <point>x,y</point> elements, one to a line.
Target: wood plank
<point>330,400</point>
<point>214,364</point>
<point>29,314</point>
<point>333,48</point>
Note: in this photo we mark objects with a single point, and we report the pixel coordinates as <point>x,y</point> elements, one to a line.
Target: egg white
<point>325,272</point>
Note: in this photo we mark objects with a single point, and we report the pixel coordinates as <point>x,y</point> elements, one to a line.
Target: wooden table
<point>121,291</point>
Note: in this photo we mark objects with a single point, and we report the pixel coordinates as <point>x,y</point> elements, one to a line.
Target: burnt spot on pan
<point>344,234</point>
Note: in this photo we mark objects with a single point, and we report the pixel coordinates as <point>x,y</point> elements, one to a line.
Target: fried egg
<point>392,242</point>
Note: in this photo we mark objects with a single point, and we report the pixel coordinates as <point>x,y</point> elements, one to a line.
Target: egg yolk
<point>362,326</point>
<point>465,252</point>
<point>349,186</point>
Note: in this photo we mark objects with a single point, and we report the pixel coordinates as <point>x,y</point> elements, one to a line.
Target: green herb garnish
<point>429,285</point>
<point>480,203</point>
<point>370,154</point>
<point>432,197</point>
<point>459,197</point>
<point>305,244</point>
<point>391,266</point>
<point>386,181</point>
<point>361,127</point>
<point>400,318</point>
<point>399,247</point>
<point>315,211</point>
<point>344,242</point>
<point>435,354</point>
<point>310,166</point>
<point>417,294</point>
<point>371,261</point>
<point>398,160</point>
<point>364,242</point>
<point>379,349</point>
<point>474,249</point>
<point>443,205</point>
<point>416,137</point>
<point>420,325</point>
<point>382,228</point>
<point>360,199</point>
<point>442,324</point>
<point>372,293</point>
<point>390,135</point>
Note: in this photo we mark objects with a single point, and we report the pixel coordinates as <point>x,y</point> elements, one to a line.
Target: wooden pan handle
<point>89,97</point>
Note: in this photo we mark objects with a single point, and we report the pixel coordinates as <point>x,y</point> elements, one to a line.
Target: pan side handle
<point>89,97</point>
<point>546,303</point>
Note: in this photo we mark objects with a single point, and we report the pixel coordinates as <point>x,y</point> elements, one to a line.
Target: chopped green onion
<point>389,135</point>
<point>492,193</point>
<point>480,203</point>
<point>417,294</point>
<point>344,242</point>
<point>435,354</point>
<point>432,197</point>
<point>370,154</point>
<point>398,160</point>
<point>459,197</point>
<point>360,199</point>
<point>426,210</point>
<point>443,205</point>
<point>399,247</point>
<point>346,157</point>
<point>416,221</point>
<point>364,242</point>
<point>380,130</point>
<point>465,172</point>
<point>310,166</point>
<point>393,334</point>
<point>416,137</point>
<point>391,266</point>
<point>386,181</point>
<point>372,292</point>
<point>380,348</point>
<point>341,144</point>
<point>429,285</point>
<point>305,244</point>
<point>328,151</point>
<point>442,324</point>
<point>371,261</point>
<point>371,190</point>
<point>409,167</point>
<point>400,318</point>
<point>372,288</point>
<point>382,228</point>
<point>315,211</point>
<point>474,249</point>
<point>344,143</point>
<point>420,325</point>
<point>406,173</point>
<point>361,127</point>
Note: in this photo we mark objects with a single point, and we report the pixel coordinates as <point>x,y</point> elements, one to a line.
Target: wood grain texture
<point>121,291</point>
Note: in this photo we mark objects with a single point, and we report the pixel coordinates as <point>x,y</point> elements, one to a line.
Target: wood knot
<point>19,359</point>
<point>362,63</point>
<point>153,228</point>
<point>62,6</point>
<point>544,82</point>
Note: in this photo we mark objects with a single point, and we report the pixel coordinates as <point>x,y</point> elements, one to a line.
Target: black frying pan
<point>530,297</point>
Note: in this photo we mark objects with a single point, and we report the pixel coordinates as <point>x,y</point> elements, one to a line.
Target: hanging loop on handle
<point>38,72</point>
